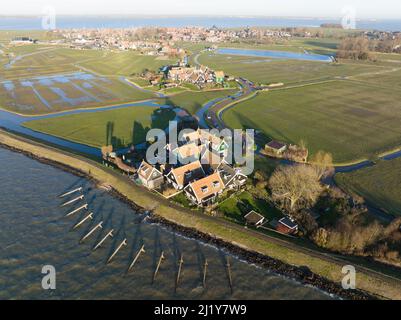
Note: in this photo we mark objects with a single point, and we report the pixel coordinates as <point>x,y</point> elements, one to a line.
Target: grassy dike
<point>321,264</point>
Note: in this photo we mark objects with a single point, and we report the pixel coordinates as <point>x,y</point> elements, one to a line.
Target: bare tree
<point>356,48</point>
<point>295,187</point>
<point>322,162</point>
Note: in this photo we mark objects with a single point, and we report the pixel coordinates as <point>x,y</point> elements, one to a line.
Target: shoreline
<point>300,274</point>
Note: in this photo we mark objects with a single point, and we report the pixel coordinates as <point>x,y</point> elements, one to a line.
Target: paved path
<point>213,114</point>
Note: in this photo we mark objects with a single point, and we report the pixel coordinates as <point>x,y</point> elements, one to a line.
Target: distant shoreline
<point>33,22</point>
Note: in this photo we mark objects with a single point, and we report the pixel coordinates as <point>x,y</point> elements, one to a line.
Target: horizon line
<point>239,16</point>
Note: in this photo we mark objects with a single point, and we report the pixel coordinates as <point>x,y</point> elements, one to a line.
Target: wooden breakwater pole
<point>71,192</point>
<point>109,234</point>
<point>72,201</point>
<point>229,275</point>
<point>89,216</point>
<point>85,206</point>
<point>161,259</point>
<point>180,263</point>
<point>122,244</point>
<point>204,273</point>
<point>142,250</point>
<point>99,225</point>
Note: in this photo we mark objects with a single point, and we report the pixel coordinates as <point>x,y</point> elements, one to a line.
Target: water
<point>66,22</point>
<point>275,54</point>
<point>14,122</point>
<point>34,232</point>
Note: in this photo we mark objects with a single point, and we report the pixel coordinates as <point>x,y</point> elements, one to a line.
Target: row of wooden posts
<point>124,242</point>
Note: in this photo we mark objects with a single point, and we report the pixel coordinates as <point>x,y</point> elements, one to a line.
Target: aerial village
<point>202,173</point>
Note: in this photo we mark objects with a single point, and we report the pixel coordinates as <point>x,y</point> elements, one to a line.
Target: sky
<point>373,9</point>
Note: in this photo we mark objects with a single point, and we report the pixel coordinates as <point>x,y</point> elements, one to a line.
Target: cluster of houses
<point>23,40</point>
<point>201,172</point>
<point>195,75</point>
<point>155,41</point>
<point>113,39</point>
<point>176,75</point>
<point>216,35</point>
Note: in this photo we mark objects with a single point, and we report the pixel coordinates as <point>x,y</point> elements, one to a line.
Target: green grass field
<point>120,127</point>
<point>7,35</point>
<point>391,80</point>
<point>379,184</point>
<point>124,63</point>
<point>236,207</point>
<point>37,59</point>
<point>352,120</point>
<point>193,101</point>
<point>266,71</point>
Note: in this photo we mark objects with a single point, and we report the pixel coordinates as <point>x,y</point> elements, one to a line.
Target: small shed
<point>287,226</point>
<point>276,147</point>
<point>255,219</point>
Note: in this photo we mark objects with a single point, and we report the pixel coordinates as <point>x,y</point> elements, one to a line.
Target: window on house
<point>205,189</point>
<point>216,184</point>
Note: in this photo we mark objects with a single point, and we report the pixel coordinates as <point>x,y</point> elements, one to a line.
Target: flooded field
<point>36,232</point>
<point>65,91</point>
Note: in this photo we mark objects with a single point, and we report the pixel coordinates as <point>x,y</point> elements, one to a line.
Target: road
<point>213,114</point>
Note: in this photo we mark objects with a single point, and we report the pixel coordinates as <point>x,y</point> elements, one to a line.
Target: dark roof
<point>226,172</point>
<point>276,145</point>
<point>288,223</point>
<point>254,217</point>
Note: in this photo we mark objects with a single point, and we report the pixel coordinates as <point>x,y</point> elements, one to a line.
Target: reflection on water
<point>35,232</point>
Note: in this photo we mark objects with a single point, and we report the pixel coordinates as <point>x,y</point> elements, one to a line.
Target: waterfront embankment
<point>307,266</point>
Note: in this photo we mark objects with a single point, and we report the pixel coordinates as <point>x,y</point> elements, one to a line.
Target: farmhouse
<point>192,137</point>
<point>214,142</point>
<point>210,161</point>
<point>188,152</point>
<point>290,152</point>
<point>182,176</point>
<point>254,219</point>
<point>211,141</point>
<point>205,191</point>
<point>150,177</point>
<point>198,76</point>
<point>232,178</point>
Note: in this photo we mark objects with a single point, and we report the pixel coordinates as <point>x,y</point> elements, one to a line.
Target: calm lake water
<point>35,23</point>
<point>35,232</point>
<point>275,54</point>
